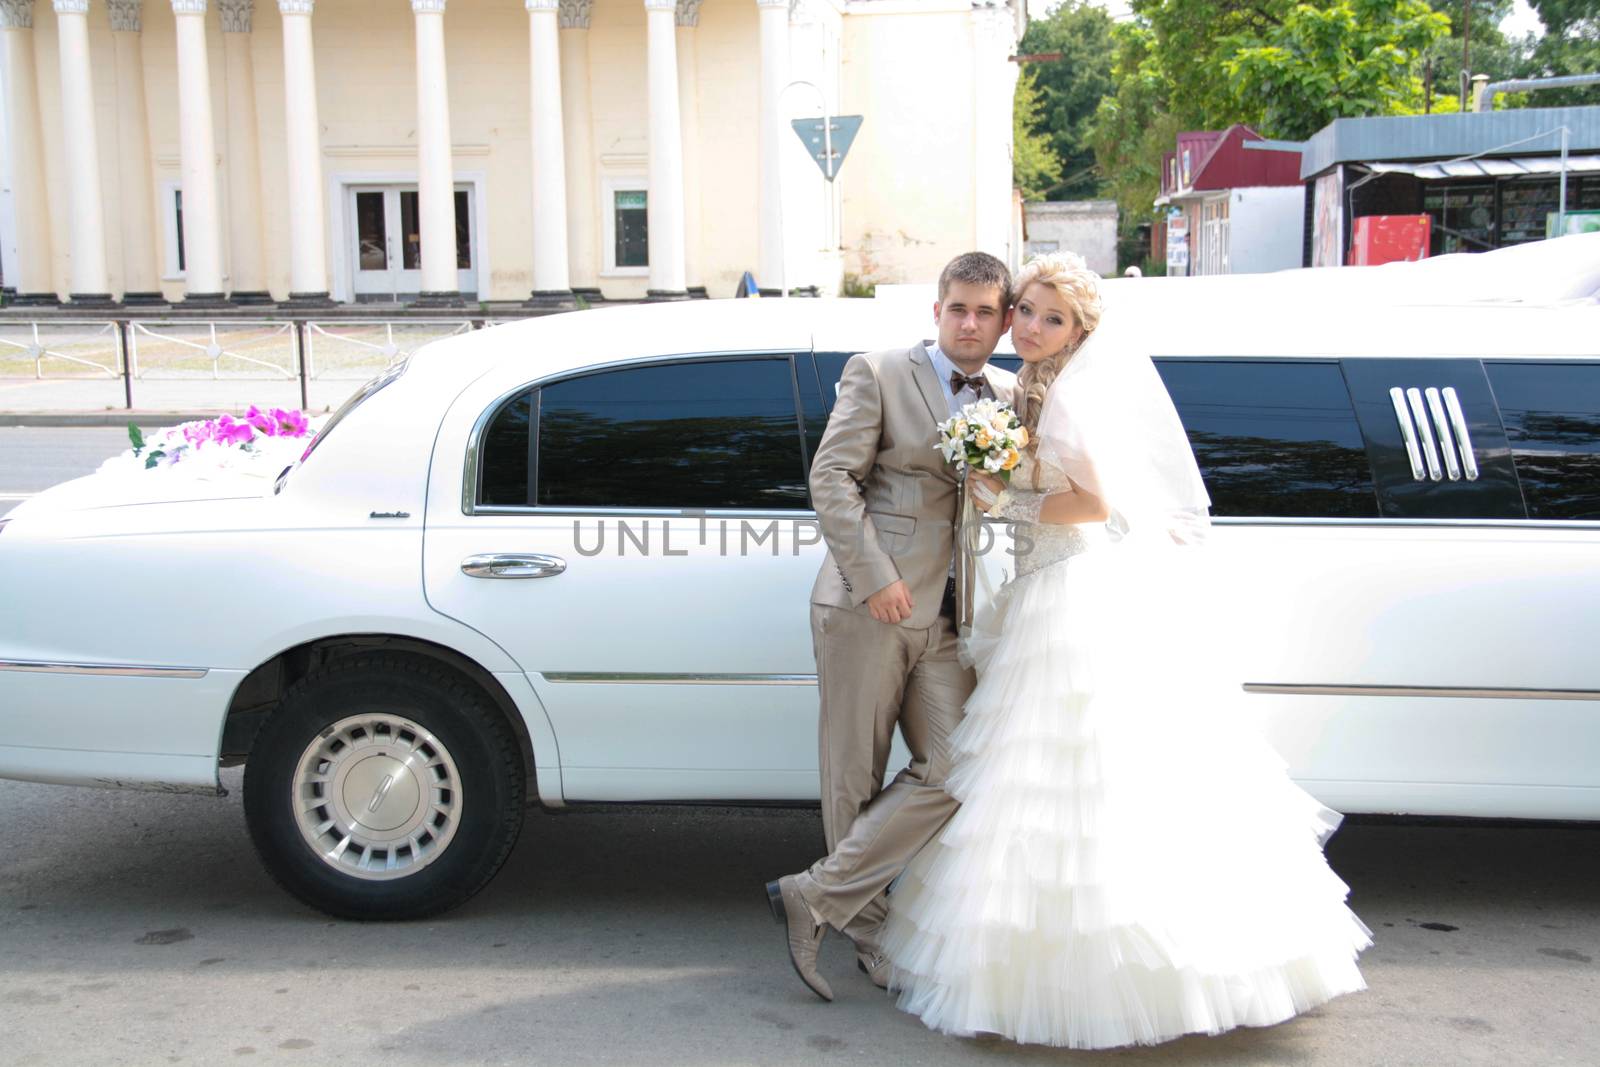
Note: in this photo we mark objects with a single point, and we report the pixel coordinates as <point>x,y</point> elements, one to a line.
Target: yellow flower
<point>960,429</point>
<point>1022,437</point>
<point>1000,421</point>
<point>983,439</point>
<point>1013,457</point>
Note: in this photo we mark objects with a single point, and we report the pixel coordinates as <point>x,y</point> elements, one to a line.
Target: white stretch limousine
<point>569,559</point>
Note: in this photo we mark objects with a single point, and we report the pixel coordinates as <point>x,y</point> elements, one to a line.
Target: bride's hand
<point>985,489</point>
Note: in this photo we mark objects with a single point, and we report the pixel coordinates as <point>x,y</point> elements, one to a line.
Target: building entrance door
<point>388,242</point>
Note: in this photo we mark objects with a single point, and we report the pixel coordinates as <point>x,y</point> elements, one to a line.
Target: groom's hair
<point>976,268</point>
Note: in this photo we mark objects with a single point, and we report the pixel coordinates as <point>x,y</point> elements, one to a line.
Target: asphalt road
<point>35,458</point>
<point>140,929</point>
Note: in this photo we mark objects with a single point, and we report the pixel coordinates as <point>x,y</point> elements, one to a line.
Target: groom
<point>885,611</point>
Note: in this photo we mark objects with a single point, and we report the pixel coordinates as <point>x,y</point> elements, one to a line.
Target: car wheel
<point>384,788</point>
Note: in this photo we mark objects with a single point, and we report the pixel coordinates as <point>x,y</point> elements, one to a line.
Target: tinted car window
<point>505,454</point>
<point>1551,412</point>
<point>1273,439</point>
<point>830,365</point>
<point>1276,439</point>
<point>706,434</point>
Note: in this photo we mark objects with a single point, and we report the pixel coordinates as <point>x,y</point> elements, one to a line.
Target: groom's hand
<point>891,604</point>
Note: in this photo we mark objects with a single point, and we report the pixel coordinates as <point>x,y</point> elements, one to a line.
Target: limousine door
<point>1409,644</point>
<point>1434,439</point>
<point>639,541</point>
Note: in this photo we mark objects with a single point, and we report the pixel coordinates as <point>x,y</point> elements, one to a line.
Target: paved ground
<point>35,458</point>
<point>140,929</point>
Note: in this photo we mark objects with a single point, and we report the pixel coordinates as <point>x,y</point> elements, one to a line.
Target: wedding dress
<point>1130,862</point>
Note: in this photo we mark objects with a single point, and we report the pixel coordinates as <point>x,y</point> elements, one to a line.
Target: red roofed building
<point>1231,208</point>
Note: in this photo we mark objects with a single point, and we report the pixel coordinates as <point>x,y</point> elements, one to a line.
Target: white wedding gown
<point>1130,862</point>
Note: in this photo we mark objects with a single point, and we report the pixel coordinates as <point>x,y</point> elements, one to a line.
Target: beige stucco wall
<point>907,184</point>
<point>905,194</point>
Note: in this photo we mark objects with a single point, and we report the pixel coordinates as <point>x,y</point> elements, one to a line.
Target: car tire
<point>384,787</point>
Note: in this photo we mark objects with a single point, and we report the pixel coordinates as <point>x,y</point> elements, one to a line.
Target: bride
<point>1131,862</point>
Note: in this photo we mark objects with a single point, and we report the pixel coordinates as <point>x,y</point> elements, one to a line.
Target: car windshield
<point>359,397</point>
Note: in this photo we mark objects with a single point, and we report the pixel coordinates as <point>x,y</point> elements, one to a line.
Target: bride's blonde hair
<point>1079,288</point>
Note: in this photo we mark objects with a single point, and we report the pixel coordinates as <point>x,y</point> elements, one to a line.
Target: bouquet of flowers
<point>273,437</point>
<point>986,435</point>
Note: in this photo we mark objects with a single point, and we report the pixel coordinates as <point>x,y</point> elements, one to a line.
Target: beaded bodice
<point>1039,544</point>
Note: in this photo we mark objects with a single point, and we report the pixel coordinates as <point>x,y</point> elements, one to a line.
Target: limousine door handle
<point>513,565</point>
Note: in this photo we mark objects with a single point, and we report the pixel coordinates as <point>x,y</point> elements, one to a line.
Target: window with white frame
<point>172,230</point>
<point>625,219</point>
<point>1214,237</point>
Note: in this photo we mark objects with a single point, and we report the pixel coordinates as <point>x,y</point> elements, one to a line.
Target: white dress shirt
<point>955,401</point>
<point>944,368</point>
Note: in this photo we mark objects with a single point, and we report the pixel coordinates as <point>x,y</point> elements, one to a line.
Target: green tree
<point>1070,88</point>
<point>1134,125</point>
<point>1475,38</point>
<point>1332,60</point>
<point>1570,45</point>
<point>1286,67</point>
<point>1035,167</point>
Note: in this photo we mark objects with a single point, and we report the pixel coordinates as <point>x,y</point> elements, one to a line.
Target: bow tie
<point>959,381</point>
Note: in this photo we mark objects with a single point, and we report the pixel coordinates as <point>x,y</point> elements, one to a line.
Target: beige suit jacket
<point>887,501</point>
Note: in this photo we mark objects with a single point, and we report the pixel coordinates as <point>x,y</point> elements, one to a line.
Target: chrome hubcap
<point>377,797</point>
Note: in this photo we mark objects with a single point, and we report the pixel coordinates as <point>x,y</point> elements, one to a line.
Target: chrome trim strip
<point>1422,691</point>
<point>1220,520</point>
<point>112,669</point>
<point>1430,451</point>
<point>1447,443</point>
<point>609,678</point>
<point>717,514</point>
<point>469,481</point>
<point>1408,432</point>
<point>1458,419</point>
<point>1379,524</point>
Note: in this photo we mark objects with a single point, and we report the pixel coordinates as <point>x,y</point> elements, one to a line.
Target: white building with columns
<point>207,152</point>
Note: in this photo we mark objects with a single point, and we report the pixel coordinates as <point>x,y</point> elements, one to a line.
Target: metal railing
<point>141,350</point>
<point>69,341</point>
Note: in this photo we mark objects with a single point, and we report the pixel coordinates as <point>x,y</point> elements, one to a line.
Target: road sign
<point>828,140</point>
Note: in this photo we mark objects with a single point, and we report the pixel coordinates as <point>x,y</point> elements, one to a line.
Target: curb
<point>101,418</point>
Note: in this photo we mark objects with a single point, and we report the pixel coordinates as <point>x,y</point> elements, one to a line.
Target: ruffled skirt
<point>1131,861</point>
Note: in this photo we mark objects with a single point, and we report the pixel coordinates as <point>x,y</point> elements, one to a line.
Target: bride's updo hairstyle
<point>1079,288</point>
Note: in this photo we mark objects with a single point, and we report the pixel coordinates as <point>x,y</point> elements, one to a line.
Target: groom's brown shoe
<point>875,965</point>
<point>805,936</point>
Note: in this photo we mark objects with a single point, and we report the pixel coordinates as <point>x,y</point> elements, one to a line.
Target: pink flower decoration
<point>229,432</point>
<point>290,423</point>
<point>263,421</point>
<point>198,433</point>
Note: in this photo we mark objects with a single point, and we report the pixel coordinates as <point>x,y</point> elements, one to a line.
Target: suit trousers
<point>871,676</point>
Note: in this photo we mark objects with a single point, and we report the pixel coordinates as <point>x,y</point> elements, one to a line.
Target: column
<point>994,36</point>
<point>246,247</point>
<point>583,219</point>
<point>665,202</point>
<point>308,252</point>
<point>688,13</point>
<point>35,270</point>
<point>88,282</point>
<point>436,181</point>
<point>552,287</point>
<point>774,16</point>
<point>197,166</point>
<point>141,267</point>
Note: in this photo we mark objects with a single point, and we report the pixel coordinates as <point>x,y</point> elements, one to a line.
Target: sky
<point>1522,19</point>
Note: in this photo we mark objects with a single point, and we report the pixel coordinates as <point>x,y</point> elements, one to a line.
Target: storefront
<point>1485,180</point>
